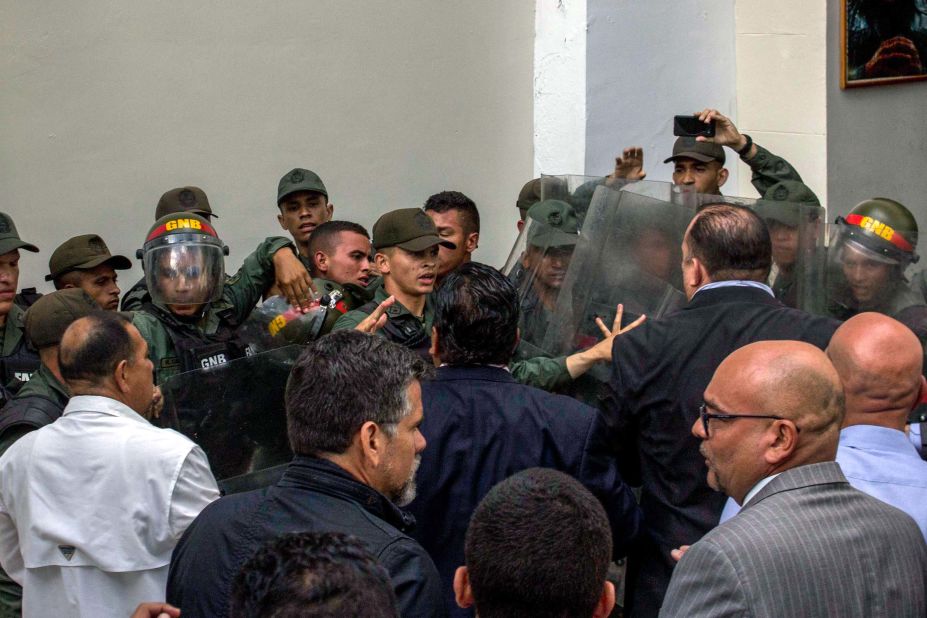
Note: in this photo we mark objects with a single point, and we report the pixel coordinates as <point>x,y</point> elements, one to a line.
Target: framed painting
<point>883,42</point>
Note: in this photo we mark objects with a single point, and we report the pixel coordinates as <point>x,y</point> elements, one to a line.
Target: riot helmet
<point>881,229</point>
<point>183,260</point>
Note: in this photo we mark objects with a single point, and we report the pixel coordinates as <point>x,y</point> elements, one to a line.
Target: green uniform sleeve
<point>243,290</point>
<point>549,374</point>
<point>349,320</point>
<point>768,169</point>
<point>160,347</point>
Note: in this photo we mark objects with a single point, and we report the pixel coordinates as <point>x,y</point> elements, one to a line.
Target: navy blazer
<point>481,427</point>
<point>659,374</point>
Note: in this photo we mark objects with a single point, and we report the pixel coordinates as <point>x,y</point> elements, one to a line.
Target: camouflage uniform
<point>241,293</point>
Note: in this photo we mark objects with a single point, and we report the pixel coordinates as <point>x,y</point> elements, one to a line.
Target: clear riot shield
<point>275,323</point>
<point>629,252</point>
<point>235,412</point>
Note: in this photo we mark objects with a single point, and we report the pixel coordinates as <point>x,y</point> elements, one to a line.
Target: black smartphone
<point>691,126</point>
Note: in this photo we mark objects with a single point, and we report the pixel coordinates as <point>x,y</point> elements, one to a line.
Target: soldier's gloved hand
<point>726,134</point>
<point>629,166</point>
<point>293,279</point>
<point>377,318</point>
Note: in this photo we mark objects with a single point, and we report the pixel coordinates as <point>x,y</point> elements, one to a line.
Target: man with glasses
<point>806,543</point>
<point>659,375</point>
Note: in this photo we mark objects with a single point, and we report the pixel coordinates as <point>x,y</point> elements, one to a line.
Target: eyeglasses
<point>706,416</point>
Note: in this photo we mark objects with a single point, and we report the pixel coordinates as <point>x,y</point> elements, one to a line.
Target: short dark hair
<point>312,575</point>
<point>95,357</point>
<point>732,242</point>
<point>343,380</point>
<point>476,316</point>
<point>538,544</point>
<point>455,200</point>
<point>325,237</point>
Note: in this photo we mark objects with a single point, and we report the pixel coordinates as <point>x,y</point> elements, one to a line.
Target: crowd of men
<point>458,440</point>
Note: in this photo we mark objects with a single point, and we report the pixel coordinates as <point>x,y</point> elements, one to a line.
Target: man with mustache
<point>85,262</point>
<point>354,467</point>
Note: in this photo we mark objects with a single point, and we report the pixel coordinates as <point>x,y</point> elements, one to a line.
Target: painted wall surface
<point>876,139</point>
<point>781,85</point>
<point>560,87</point>
<point>649,61</point>
<point>108,104</point>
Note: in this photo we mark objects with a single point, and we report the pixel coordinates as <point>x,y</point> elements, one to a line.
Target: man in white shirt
<point>92,505</point>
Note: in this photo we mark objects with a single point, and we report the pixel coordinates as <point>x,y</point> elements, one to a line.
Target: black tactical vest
<point>33,411</point>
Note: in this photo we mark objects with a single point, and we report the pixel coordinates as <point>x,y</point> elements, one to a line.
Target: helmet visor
<point>184,273</point>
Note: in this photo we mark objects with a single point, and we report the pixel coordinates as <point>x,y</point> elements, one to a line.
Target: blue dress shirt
<point>883,463</point>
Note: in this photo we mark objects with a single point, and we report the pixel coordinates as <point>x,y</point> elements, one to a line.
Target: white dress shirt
<point>91,507</point>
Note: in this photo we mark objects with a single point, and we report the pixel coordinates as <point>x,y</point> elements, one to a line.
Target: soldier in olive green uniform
<point>876,244</point>
<point>552,236</point>
<point>179,200</point>
<point>406,243</point>
<point>43,398</point>
<point>195,311</point>
<point>85,262</point>
<point>18,360</point>
<point>793,214</point>
<point>303,203</point>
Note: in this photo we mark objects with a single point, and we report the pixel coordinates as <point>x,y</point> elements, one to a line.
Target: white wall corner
<point>560,87</point>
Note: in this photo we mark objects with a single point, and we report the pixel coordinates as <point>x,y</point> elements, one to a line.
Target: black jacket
<point>314,495</point>
<point>659,374</point>
<point>481,427</point>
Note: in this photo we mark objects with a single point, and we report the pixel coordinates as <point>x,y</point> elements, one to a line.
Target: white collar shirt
<point>92,505</point>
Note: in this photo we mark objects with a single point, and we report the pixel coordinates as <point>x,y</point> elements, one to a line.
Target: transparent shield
<point>276,323</point>
<point>235,412</point>
<point>629,252</point>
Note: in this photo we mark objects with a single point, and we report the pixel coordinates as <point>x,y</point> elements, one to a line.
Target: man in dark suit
<point>482,426</point>
<point>806,543</point>
<point>660,371</point>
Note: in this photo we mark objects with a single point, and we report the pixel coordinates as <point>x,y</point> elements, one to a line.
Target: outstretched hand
<point>629,166</point>
<point>377,318</point>
<point>726,133</point>
<point>579,363</point>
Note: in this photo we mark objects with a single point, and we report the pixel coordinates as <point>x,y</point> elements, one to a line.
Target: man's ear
<point>119,375</point>
<point>517,340</point>
<point>922,394</point>
<point>722,176</point>
<point>372,444</point>
<point>280,220</point>
<point>330,208</point>
<point>382,261</point>
<point>463,594</point>
<point>435,350</point>
<point>321,261</point>
<point>472,241</point>
<point>780,444</point>
<point>520,224</point>
<point>606,602</point>
<point>696,276</point>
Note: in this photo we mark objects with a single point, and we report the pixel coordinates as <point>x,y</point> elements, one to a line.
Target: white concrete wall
<point>781,84</point>
<point>649,61</point>
<point>560,87</point>
<point>107,104</point>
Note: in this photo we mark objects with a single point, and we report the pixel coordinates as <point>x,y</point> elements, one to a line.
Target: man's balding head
<point>880,363</point>
<point>104,354</point>
<point>725,242</point>
<point>792,381</point>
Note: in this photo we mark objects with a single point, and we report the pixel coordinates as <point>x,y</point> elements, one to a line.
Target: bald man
<point>805,543</point>
<point>879,360</point>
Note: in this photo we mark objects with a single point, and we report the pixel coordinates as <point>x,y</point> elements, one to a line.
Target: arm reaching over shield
<point>579,363</point>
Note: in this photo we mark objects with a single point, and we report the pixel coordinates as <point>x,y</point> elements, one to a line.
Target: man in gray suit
<point>805,543</point>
